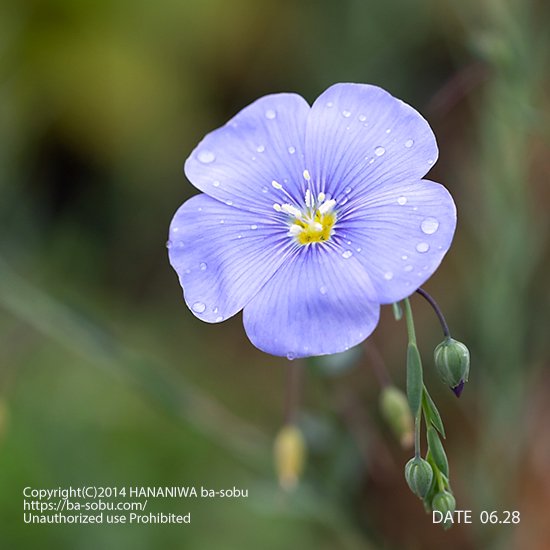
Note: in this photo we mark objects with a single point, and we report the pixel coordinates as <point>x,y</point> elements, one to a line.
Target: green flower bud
<point>397,413</point>
<point>452,360</point>
<point>419,475</point>
<point>290,456</point>
<point>444,502</point>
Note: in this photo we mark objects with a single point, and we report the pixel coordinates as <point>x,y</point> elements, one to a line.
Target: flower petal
<point>223,256</point>
<point>319,302</point>
<point>263,143</point>
<point>359,136</point>
<point>400,234</point>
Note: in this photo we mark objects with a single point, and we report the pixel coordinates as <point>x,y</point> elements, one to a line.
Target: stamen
<point>309,199</point>
<point>292,210</point>
<point>327,207</point>
<point>277,207</point>
<point>276,184</point>
<point>307,177</point>
<point>321,197</point>
<point>295,230</point>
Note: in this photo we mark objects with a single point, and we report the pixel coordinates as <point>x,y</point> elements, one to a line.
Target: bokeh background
<point>105,376</point>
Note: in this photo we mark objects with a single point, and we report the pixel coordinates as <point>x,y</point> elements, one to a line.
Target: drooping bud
<point>397,413</point>
<point>289,451</point>
<point>419,476</point>
<point>444,502</point>
<point>452,360</point>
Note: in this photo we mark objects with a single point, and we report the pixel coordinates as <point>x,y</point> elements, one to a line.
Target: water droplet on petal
<point>271,114</point>
<point>216,183</point>
<point>222,221</point>
<point>203,266</point>
<point>219,319</point>
<point>388,275</point>
<point>422,247</point>
<point>260,148</point>
<point>215,309</point>
<point>168,243</point>
<point>291,150</point>
<point>430,161</point>
<point>198,307</point>
<point>330,104</point>
<point>408,268</point>
<point>388,131</point>
<point>206,157</point>
<point>347,190</point>
<point>253,227</point>
<point>229,203</point>
<point>264,189</point>
<point>402,200</point>
<point>379,151</point>
<point>429,226</point>
<point>323,290</point>
<point>347,254</point>
<point>239,236</point>
<point>346,114</point>
<point>290,356</point>
<point>409,143</point>
<point>362,118</point>
<point>404,257</point>
<point>359,249</point>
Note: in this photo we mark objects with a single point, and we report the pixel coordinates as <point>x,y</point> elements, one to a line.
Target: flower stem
<point>437,310</point>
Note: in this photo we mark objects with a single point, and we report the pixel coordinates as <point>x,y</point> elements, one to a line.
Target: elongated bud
<point>452,360</point>
<point>419,475</point>
<point>290,454</point>
<point>444,502</point>
<point>397,413</point>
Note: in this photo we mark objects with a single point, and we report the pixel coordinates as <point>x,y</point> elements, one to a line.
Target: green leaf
<point>437,451</point>
<point>415,384</point>
<point>431,413</point>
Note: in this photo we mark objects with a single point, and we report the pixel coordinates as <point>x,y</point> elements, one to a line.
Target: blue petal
<point>263,143</point>
<point>319,302</point>
<point>223,256</point>
<point>359,136</point>
<point>400,233</point>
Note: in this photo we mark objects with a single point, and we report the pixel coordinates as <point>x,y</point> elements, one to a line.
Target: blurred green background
<point>107,379</point>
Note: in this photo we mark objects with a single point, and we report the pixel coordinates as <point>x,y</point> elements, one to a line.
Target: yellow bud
<point>397,413</point>
<point>290,455</point>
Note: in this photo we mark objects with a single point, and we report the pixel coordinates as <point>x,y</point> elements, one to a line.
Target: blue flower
<point>311,218</point>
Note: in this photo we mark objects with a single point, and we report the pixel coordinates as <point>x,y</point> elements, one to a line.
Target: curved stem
<point>437,310</point>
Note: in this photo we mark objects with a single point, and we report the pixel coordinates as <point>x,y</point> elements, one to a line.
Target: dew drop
<point>343,201</point>
<point>409,143</point>
<point>206,157</point>
<point>270,114</point>
<point>347,254</point>
<point>429,226</point>
<point>216,183</point>
<point>347,190</point>
<point>388,131</point>
<point>239,236</point>
<point>359,249</point>
<point>168,243</point>
<point>264,189</point>
<point>215,310</point>
<point>203,266</point>
<point>362,118</point>
<point>291,150</point>
<point>253,227</point>
<point>260,148</point>
<point>346,114</point>
<point>430,161</point>
<point>175,229</point>
<point>330,104</point>
<point>422,247</point>
<point>404,257</point>
<point>323,290</point>
<point>402,200</point>
<point>290,356</point>
<point>229,203</point>
<point>408,268</point>
<point>379,151</point>
<point>388,275</point>
<point>219,319</point>
<point>222,221</point>
<point>198,307</point>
